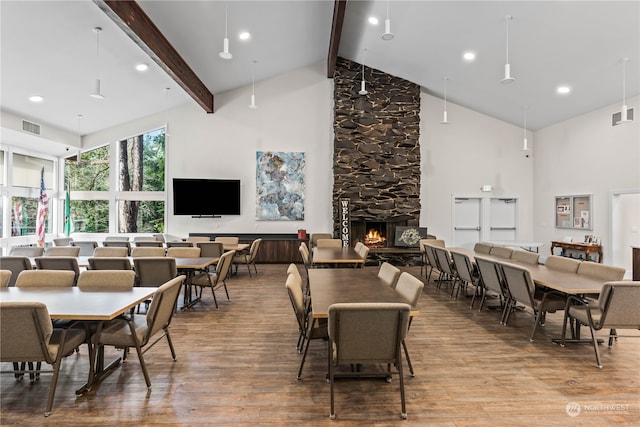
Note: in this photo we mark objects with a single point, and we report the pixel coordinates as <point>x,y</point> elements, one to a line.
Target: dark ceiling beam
<point>339,7</point>
<point>130,17</point>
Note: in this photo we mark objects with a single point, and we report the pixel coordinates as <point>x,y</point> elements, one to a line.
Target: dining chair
<point>63,241</point>
<point>482,248</point>
<point>501,252</point>
<point>306,262</point>
<point>525,257</point>
<point>66,251</point>
<point>178,252</point>
<point>313,240</point>
<point>116,239</point>
<point>149,244</point>
<point>5,277</point>
<point>329,243</point>
<point>211,249</point>
<point>86,247</point>
<point>142,251</point>
<point>217,279</point>
<point>138,239</point>
<point>179,244</point>
<point>616,308</point>
<point>466,274</point>
<point>389,273</point>
<point>445,265</point>
<point>106,280</point>
<point>45,279</point>
<point>230,240</point>
<point>522,290</point>
<point>110,263</point>
<point>27,335</point>
<point>432,259</point>
<point>308,329</point>
<point>561,263</point>
<point>197,239</point>
<point>363,251</point>
<point>491,282</point>
<point>58,263</point>
<point>15,264</point>
<point>410,288</point>
<point>118,244</point>
<point>250,258</point>
<point>153,272</point>
<point>137,331</point>
<point>110,252</point>
<point>30,251</point>
<point>365,334</point>
<point>607,273</point>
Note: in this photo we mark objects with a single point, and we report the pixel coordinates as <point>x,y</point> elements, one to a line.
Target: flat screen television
<point>206,197</point>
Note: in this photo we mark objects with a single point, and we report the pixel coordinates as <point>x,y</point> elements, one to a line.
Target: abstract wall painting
<point>280,186</point>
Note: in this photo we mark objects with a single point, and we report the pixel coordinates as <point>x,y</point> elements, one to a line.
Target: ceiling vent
<point>615,117</point>
<point>33,127</point>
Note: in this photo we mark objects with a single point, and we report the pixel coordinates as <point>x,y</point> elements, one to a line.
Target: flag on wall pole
<point>68,225</point>
<point>43,210</point>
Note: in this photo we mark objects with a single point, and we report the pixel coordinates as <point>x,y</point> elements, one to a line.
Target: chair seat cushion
<point>73,340</point>
<point>579,312</point>
<point>118,333</point>
<point>552,303</point>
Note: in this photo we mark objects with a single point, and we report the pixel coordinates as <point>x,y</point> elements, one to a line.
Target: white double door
<point>478,219</point>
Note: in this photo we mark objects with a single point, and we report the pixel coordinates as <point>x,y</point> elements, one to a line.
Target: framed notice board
<point>574,212</point>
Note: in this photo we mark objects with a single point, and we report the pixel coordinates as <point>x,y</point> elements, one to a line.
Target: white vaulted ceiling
<point>49,48</point>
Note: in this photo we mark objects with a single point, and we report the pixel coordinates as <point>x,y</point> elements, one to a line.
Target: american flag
<point>43,210</point>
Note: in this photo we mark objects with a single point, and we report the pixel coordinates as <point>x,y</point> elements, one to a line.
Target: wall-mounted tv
<point>206,197</point>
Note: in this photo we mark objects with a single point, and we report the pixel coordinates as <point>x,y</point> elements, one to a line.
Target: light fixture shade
<point>507,74</point>
<point>253,102</point>
<point>363,89</point>
<point>624,117</point>
<point>445,120</point>
<point>96,91</point>
<point>525,144</point>
<point>387,35</point>
<point>225,54</point>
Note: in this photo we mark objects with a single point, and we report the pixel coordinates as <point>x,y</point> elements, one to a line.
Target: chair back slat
<point>163,306</point>
<point>211,249</point>
<point>46,279</point>
<point>463,265</point>
<point>68,251</point>
<point>604,272</point>
<point>525,257</point>
<point>192,252</point>
<point>154,271</point>
<point>490,275</point>
<point>562,263</point>
<point>410,288</point>
<point>25,328</point>
<point>519,283</point>
<point>389,274</point>
<point>107,280</point>
<point>29,251</point>
<point>15,264</point>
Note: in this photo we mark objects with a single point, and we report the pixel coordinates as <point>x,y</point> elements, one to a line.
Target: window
<point>23,216</point>
<point>2,169</point>
<point>88,180</point>
<point>141,166</point>
<point>26,171</point>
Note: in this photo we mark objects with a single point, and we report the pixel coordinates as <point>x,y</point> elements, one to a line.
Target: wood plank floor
<point>237,366</point>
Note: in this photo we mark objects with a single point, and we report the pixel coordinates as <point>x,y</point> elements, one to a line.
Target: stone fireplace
<point>376,152</point>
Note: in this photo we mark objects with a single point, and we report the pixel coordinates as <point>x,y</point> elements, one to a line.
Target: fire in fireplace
<point>375,239</point>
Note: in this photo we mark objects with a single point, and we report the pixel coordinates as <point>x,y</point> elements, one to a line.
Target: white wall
<point>294,114</point>
<point>471,151</point>
<point>585,155</point>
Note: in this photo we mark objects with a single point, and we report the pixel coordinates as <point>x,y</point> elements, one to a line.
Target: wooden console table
<point>579,247</point>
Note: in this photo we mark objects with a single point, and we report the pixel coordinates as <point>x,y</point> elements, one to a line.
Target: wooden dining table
<point>561,281</point>
<point>336,256</point>
<point>339,285</point>
<point>188,267</point>
<point>83,305</point>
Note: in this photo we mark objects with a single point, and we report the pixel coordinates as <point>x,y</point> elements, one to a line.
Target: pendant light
<point>624,117</point>
<point>96,90</point>
<point>166,113</point>
<point>253,87</point>
<point>387,35</point>
<point>507,67</point>
<point>445,121</point>
<point>525,143</point>
<point>363,88</point>
<point>225,54</point>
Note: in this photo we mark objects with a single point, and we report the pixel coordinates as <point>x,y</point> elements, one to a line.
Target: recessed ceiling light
<point>469,56</point>
<point>142,67</point>
<point>373,20</point>
<point>245,35</point>
<point>36,98</point>
<point>563,90</point>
